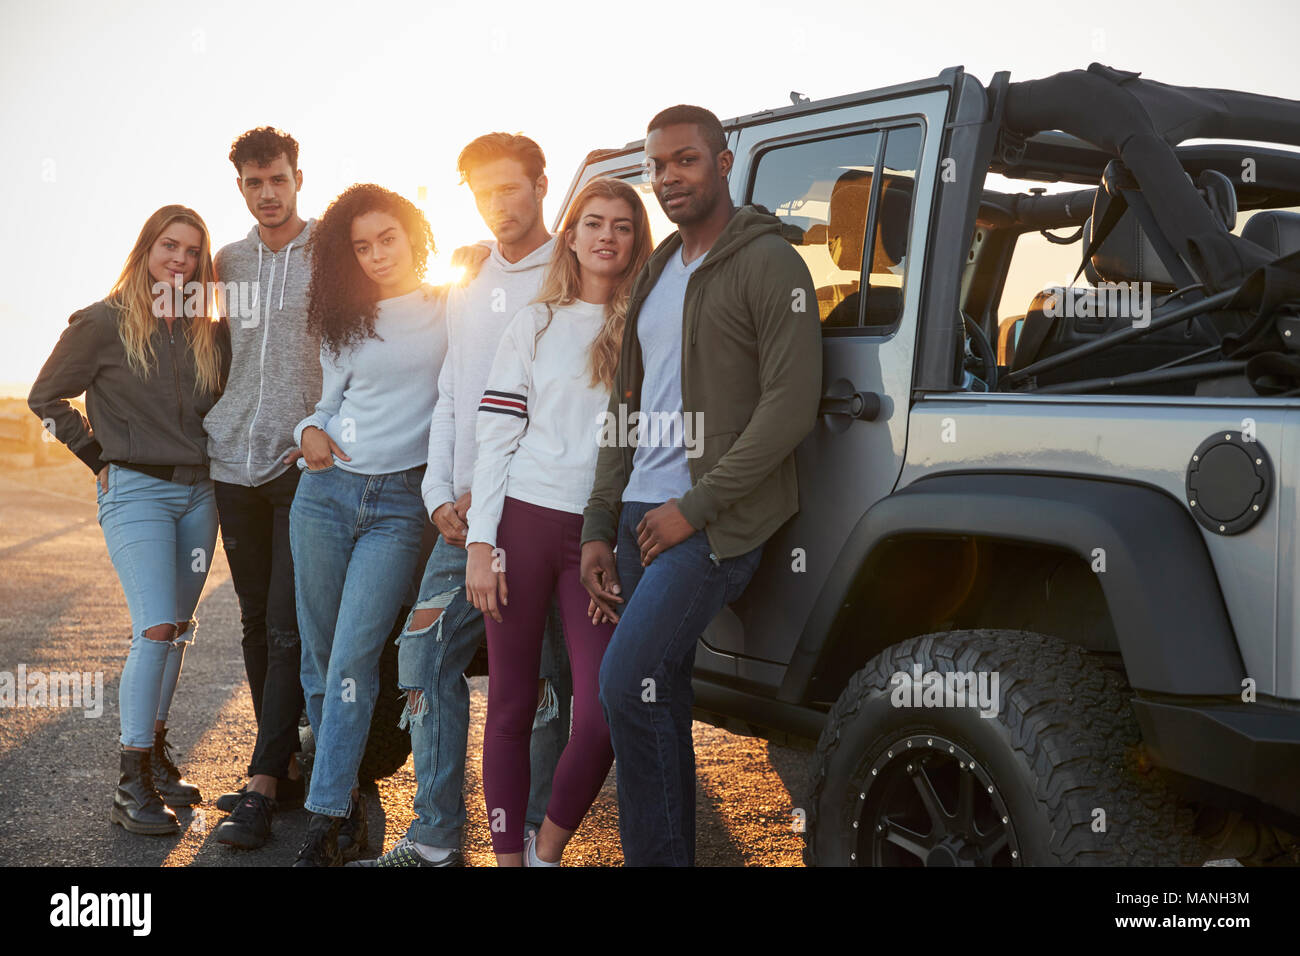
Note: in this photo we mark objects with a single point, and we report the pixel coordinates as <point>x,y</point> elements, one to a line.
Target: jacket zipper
<point>632,352</point>
<point>176,376</point>
<point>694,330</point>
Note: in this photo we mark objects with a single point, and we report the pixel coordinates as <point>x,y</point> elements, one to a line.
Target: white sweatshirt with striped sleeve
<point>539,419</point>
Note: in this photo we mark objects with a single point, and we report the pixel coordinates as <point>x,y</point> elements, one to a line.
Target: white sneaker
<point>530,853</point>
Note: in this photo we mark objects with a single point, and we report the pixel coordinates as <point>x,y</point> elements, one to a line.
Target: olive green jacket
<point>751,367</point>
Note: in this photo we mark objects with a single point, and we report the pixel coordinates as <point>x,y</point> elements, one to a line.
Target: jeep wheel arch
<point>1160,587</point>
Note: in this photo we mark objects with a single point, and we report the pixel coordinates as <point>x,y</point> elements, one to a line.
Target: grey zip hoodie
<point>275,373</point>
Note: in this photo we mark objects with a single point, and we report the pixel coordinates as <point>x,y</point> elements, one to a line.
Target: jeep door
<point>852,185</point>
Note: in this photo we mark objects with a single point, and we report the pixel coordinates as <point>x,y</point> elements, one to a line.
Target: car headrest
<point>1127,255</point>
<point>848,211</point>
<point>1276,230</point>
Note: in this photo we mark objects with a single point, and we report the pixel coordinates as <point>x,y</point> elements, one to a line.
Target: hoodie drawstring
<point>257,288</point>
<point>270,285</point>
<point>285,280</point>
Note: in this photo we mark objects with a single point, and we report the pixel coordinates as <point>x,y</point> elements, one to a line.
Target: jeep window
<point>822,193</point>
<point>811,187</point>
<point>892,227</point>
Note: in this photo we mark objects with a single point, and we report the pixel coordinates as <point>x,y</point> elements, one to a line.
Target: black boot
<point>174,791</point>
<point>137,805</point>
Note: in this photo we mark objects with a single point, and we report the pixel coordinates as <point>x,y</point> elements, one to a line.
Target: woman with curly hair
<point>357,518</point>
<point>150,371</point>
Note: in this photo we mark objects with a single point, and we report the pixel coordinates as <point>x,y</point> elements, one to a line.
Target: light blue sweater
<point>377,397</point>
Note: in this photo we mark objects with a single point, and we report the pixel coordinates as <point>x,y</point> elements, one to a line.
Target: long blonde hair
<point>133,297</point>
<point>563,282</point>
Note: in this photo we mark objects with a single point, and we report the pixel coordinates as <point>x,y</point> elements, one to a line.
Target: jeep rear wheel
<point>1055,775</point>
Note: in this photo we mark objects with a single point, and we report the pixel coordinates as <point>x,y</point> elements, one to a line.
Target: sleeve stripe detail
<point>502,411</point>
<point>514,395</point>
<point>502,403</point>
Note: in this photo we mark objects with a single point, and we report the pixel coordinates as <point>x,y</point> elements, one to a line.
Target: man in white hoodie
<point>275,380</point>
<point>506,173</point>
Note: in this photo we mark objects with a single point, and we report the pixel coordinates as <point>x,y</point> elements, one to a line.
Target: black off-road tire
<point>1062,746</point>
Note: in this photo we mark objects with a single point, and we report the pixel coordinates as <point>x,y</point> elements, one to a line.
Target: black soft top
<point>1140,121</point>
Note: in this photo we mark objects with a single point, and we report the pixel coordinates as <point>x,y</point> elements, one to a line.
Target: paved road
<point>61,609</point>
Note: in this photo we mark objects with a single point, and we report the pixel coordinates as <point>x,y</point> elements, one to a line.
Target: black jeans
<point>255,531</point>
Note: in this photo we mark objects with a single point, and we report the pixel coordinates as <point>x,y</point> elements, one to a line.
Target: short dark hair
<point>493,146</point>
<point>260,147</point>
<point>709,125</point>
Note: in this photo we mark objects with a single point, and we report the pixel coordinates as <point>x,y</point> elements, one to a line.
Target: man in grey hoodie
<point>275,381</point>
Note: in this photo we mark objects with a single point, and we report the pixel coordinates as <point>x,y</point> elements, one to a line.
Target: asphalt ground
<point>62,609</point>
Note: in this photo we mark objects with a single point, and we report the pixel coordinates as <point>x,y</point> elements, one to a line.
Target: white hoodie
<point>477,316</point>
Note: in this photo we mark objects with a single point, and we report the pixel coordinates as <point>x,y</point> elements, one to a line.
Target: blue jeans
<point>160,537</point>
<point>355,541</point>
<point>433,660</point>
<point>645,685</point>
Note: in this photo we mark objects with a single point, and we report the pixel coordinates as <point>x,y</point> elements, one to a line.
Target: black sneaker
<point>289,795</point>
<point>227,802</point>
<point>249,824</point>
<point>354,833</point>
<point>404,853</point>
<point>321,848</point>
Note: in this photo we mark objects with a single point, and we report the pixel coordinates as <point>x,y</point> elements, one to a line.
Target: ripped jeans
<point>433,660</point>
<point>160,537</point>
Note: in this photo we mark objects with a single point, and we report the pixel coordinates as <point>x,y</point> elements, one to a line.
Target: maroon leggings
<point>542,552</point>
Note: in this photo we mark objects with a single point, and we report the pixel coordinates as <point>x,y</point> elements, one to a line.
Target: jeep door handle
<point>863,406</point>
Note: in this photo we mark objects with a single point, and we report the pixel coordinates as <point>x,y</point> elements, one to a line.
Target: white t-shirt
<point>659,468</point>
<point>539,417</point>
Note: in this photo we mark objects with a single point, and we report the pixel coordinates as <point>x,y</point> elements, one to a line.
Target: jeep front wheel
<point>989,748</point>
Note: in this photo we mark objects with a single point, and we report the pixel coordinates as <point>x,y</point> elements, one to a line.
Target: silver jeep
<point>1037,606</point>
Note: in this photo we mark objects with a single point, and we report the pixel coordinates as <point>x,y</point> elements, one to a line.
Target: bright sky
<point>110,110</point>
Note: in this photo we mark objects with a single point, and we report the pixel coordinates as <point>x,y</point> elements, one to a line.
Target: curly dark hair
<point>260,147</point>
<point>342,301</point>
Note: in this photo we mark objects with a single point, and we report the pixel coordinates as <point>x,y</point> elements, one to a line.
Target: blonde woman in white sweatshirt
<point>537,442</point>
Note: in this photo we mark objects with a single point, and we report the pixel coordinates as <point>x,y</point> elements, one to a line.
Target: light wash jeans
<point>160,537</point>
<point>356,543</point>
<point>433,660</point>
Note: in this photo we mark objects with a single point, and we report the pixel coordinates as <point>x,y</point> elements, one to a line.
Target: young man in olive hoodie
<point>722,336</point>
<point>275,381</point>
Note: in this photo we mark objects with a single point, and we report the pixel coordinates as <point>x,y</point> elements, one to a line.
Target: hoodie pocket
<point>219,425</point>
